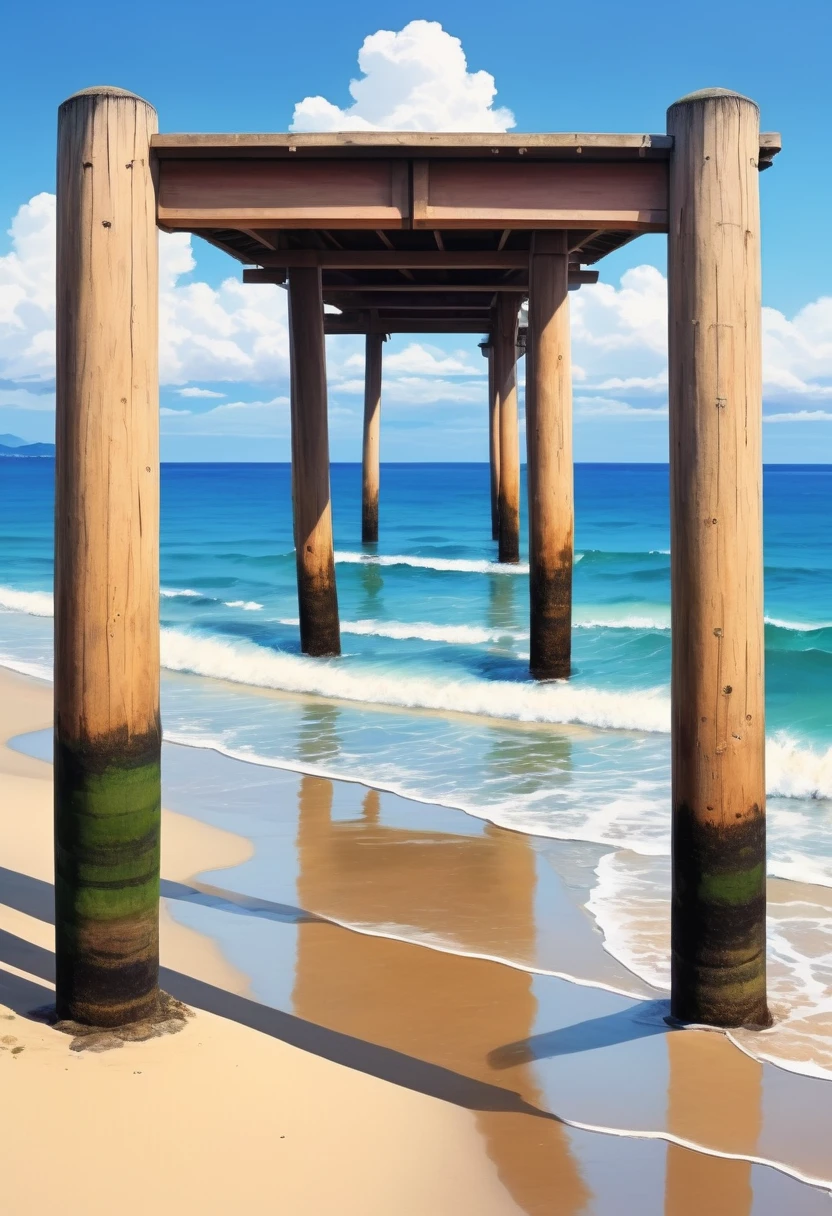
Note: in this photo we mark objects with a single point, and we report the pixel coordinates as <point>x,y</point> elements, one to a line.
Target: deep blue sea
<point>431,697</point>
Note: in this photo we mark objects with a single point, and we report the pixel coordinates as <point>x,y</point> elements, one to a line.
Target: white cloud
<point>235,333</point>
<point>413,80</point>
<point>168,413</point>
<point>799,416</point>
<point>606,407</point>
<point>420,360</point>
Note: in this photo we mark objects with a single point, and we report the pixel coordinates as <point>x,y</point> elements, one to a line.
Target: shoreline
<point>490,1154</point>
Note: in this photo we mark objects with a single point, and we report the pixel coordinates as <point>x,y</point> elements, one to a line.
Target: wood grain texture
<point>312,504</point>
<point>549,469</point>
<point>493,441</point>
<point>505,373</point>
<point>107,731</point>
<point>372,431</point>
<point>718,709</point>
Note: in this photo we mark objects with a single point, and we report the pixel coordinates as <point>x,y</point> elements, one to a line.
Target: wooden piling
<point>549,457</point>
<point>505,379</point>
<point>493,438</point>
<point>718,720</point>
<point>107,730</point>
<point>317,595</point>
<point>372,427</point>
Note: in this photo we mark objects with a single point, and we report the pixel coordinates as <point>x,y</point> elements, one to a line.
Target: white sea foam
<point>175,594</point>
<point>33,603</point>
<point>460,635</point>
<point>246,605</point>
<point>39,670</point>
<point>631,905</point>
<point>795,771</point>
<point>798,626</point>
<point>557,702</point>
<point>659,623</point>
<point>463,565</point>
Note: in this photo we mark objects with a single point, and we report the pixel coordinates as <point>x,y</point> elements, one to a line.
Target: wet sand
<point>354,923</point>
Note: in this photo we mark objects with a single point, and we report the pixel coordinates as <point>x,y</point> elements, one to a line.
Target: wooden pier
<point>409,233</point>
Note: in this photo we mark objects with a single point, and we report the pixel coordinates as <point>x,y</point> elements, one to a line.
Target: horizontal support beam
<point>386,259</point>
<point>577,278</point>
<point>262,194</point>
<point>407,325</point>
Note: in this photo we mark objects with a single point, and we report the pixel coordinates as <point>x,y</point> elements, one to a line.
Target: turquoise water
<point>431,697</point>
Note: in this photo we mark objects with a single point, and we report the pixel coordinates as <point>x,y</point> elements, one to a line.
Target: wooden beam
<point>259,194</point>
<point>505,373</point>
<point>317,595</point>
<point>382,259</point>
<point>364,144</point>
<point>283,194</point>
<point>372,430</point>
<point>420,288</point>
<point>502,194</point>
<point>549,459</point>
<point>487,348</point>
<point>266,241</point>
<point>718,919</point>
<point>333,324</point>
<point>107,730</point>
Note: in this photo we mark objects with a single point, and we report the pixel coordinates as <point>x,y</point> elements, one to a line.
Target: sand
<point>334,1071</point>
<point>217,1117</point>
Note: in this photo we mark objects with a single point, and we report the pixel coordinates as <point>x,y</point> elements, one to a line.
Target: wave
<point>246,605</point>
<point>247,663</point>
<point>798,626</point>
<point>424,631</point>
<point>33,603</point>
<point>794,771</point>
<point>174,594</point>
<point>463,565</point>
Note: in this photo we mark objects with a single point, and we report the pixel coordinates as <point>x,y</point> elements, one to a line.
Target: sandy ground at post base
<point>214,1119</point>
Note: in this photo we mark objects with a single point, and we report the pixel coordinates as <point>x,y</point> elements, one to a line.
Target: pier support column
<point>107,730</point>
<point>372,427</point>
<point>487,349</point>
<point>718,721</point>
<point>549,457</point>
<point>317,595</point>
<point>505,382</point>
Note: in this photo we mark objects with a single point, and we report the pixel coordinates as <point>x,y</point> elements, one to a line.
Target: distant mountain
<point>20,448</point>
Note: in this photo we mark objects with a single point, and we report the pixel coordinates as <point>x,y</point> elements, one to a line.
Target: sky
<point>446,66</point>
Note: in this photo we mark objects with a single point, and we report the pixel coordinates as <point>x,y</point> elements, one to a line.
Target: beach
<point>437,891</point>
<point>360,1016</point>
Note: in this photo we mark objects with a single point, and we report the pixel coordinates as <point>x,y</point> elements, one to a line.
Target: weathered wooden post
<point>107,730</point>
<point>549,457</point>
<point>718,721</point>
<point>317,595</point>
<point>487,348</point>
<point>372,427</point>
<point>505,380</point>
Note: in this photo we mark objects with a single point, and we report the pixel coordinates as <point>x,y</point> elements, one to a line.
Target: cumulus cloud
<point>423,360</point>
<point>414,80</point>
<point>239,334</point>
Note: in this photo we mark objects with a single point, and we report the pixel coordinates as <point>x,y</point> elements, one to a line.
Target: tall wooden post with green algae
<point>107,731</point>
<point>718,708</point>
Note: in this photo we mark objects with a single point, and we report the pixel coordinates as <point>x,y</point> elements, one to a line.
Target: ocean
<point>431,698</point>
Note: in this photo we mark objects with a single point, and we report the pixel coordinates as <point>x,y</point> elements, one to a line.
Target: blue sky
<point>223,354</point>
